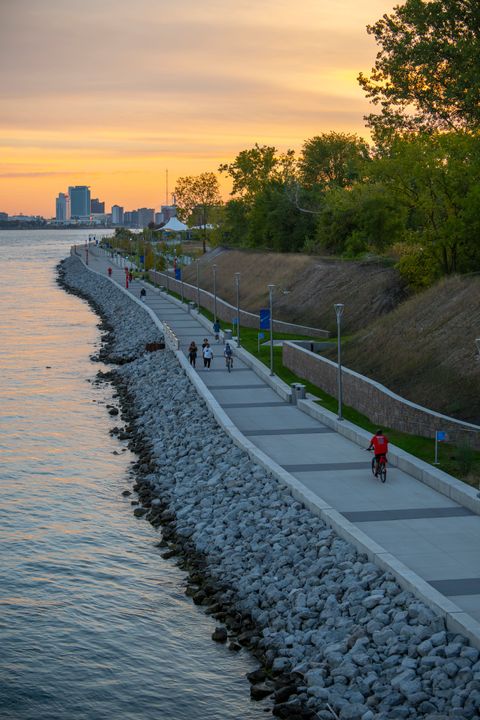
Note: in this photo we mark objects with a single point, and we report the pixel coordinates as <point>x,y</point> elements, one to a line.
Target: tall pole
<point>237,285</point>
<point>270,292</point>
<point>339,307</point>
<point>198,286</point>
<point>214,268</point>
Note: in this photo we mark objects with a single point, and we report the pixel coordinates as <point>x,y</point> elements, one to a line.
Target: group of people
<point>207,353</point>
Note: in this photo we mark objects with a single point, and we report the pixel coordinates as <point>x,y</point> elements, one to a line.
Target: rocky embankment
<point>335,636</point>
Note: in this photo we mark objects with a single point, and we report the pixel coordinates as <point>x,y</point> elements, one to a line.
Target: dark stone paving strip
<point>237,387</point>
<point>290,431</point>
<point>321,467</point>
<point>406,514</point>
<point>462,586</point>
<point>237,370</point>
<point>258,404</point>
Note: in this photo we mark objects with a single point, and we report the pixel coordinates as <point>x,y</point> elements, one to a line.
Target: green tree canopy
<point>254,169</point>
<point>426,74</point>
<point>200,193</point>
<point>332,160</point>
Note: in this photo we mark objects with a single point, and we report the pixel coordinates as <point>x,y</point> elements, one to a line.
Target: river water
<point>94,624</point>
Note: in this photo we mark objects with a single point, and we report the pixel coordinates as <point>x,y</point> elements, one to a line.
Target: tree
<point>332,160</point>
<point>254,169</point>
<point>201,193</point>
<point>426,75</point>
<point>435,178</point>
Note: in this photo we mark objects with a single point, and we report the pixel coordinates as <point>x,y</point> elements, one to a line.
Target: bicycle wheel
<point>382,472</point>
<point>229,365</point>
<point>374,470</point>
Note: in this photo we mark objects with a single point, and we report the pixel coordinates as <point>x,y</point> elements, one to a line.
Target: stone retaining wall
<point>379,404</point>
<point>227,312</point>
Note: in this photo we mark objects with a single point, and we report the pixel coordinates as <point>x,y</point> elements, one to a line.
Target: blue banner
<point>264,319</point>
<point>441,435</point>
<point>178,273</point>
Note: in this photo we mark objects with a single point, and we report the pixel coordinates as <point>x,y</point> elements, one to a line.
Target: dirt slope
<point>368,290</point>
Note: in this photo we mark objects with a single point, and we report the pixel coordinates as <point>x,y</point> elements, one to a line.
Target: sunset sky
<point>111,94</point>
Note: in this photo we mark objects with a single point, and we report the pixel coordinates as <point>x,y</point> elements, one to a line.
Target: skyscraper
<point>96,206</point>
<point>79,202</point>
<point>117,215</point>
<point>62,208</point>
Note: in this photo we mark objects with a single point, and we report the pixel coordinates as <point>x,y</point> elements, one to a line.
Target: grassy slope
<point>421,347</point>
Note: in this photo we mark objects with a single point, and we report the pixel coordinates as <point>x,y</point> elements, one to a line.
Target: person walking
<point>109,272</point>
<point>143,294</point>
<point>192,353</point>
<point>216,330</point>
<point>207,356</point>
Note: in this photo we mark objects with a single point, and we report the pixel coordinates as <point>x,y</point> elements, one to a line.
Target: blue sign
<point>265,319</point>
<point>234,321</point>
<point>261,336</point>
<point>142,259</point>
<point>178,273</point>
<point>441,435</point>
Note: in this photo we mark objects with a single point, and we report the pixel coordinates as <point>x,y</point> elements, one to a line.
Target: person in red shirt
<point>379,445</point>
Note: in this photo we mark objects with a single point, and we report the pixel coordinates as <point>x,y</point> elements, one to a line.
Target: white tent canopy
<point>174,225</point>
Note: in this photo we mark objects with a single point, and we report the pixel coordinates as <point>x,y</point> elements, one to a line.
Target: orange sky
<point>111,94</point>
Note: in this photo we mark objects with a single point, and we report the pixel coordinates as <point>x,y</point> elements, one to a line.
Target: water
<point>94,624</point>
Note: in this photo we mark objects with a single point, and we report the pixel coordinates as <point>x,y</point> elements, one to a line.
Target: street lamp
<point>237,286</point>
<point>198,287</point>
<point>214,268</point>
<point>270,294</point>
<point>339,307</point>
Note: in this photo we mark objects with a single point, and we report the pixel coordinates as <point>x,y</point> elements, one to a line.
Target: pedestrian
<point>216,330</point>
<point>204,343</point>
<point>109,272</point>
<point>207,356</point>
<point>130,275</point>
<point>143,294</point>
<point>192,353</point>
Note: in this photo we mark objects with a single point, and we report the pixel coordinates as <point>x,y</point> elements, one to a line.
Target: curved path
<point>431,542</point>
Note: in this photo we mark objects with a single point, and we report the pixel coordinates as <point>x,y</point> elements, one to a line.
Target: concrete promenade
<point>429,541</point>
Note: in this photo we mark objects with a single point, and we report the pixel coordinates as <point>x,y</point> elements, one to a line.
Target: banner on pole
<point>264,318</point>
<point>178,273</point>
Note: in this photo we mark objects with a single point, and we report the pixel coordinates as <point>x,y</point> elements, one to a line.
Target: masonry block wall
<point>379,404</point>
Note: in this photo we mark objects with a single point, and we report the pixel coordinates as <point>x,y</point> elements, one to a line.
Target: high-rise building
<point>117,215</point>
<point>62,208</point>
<point>145,216</point>
<point>168,211</point>
<point>96,206</point>
<point>79,202</point>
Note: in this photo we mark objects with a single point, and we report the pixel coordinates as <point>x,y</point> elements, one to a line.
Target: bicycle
<point>379,467</point>
<point>229,363</point>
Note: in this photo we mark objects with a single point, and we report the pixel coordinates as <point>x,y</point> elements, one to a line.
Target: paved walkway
<point>428,532</point>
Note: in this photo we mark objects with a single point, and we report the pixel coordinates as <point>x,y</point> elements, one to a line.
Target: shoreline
<point>334,634</point>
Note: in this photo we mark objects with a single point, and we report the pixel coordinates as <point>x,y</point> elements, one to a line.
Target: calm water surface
<point>94,624</point>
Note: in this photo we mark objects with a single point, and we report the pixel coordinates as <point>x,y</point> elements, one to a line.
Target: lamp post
<point>214,268</point>
<point>270,294</point>
<point>339,307</point>
<point>237,286</point>
<point>198,287</point>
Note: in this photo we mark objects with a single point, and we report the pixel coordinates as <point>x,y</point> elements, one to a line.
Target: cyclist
<point>228,355</point>
<point>379,445</point>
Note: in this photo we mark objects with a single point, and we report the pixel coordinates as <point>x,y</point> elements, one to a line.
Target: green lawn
<point>461,462</point>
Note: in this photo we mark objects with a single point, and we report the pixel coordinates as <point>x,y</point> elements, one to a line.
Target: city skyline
<point>116,95</point>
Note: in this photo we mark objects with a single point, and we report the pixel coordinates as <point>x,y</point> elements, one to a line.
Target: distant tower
<point>62,208</point>
<point>80,202</point>
<point>117,215</point>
